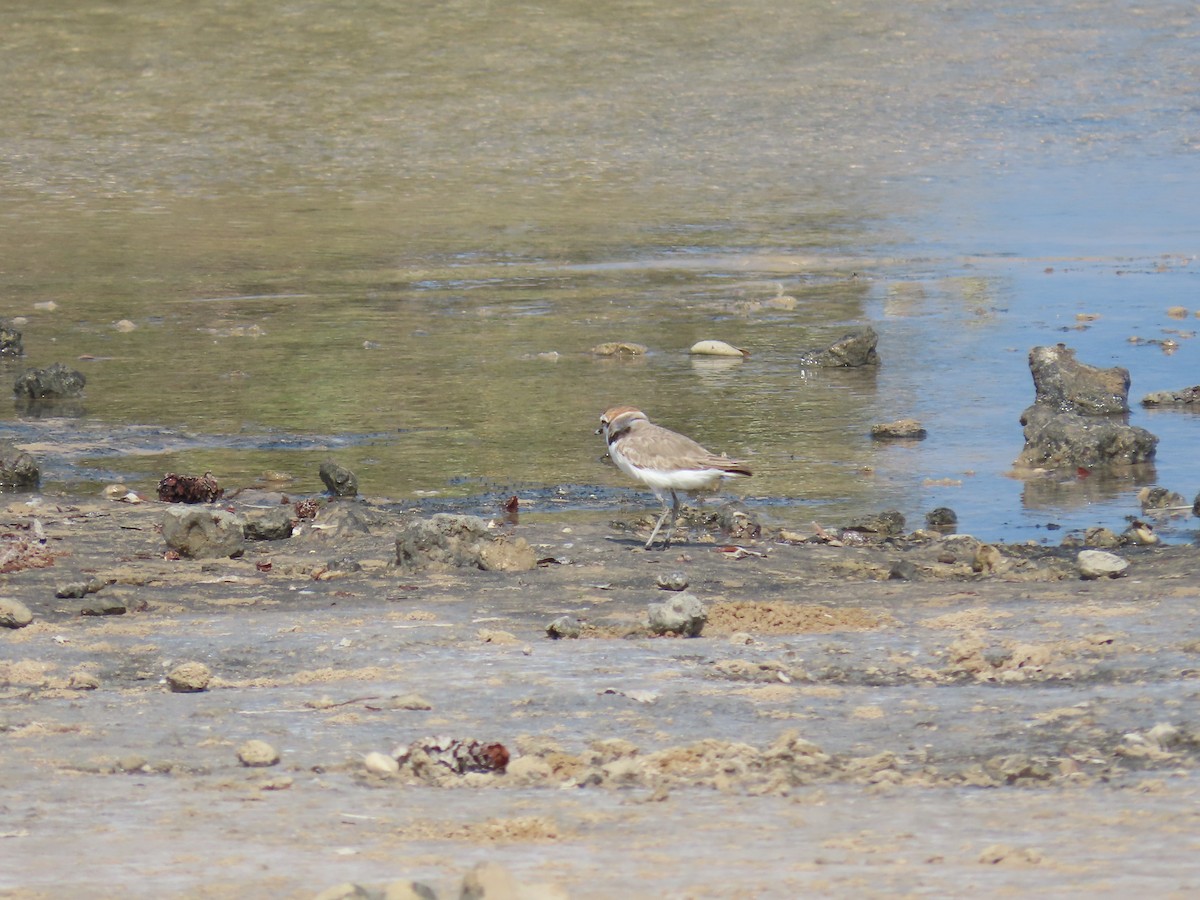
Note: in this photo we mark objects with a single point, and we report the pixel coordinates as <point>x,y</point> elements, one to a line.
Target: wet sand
<point>834,731</point>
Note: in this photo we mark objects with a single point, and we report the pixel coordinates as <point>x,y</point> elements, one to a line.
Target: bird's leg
<point>661,519</point>
<point>674,518</point>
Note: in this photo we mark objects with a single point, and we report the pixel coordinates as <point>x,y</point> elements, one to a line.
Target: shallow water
<point>351,229</point>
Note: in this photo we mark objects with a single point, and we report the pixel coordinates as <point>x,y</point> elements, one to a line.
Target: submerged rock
<point>339,480</point>
<point>942,519</point>
<point>1181,397</point>
<point>852,350</point>
<point>10,339</point>
<point>899,430</point>
<point>450,541</point>
<point>18,470</point>
<point>51,383</point>
<point>1056,439</point>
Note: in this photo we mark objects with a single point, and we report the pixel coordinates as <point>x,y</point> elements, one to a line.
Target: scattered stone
<point>1101,538</point>
<point>901,429</point>
<point>274,524</point>
<point>675,581</point>
<point>257,754</point>
<point>103,608</point>
<point>619,348</point>
<point>683,615</point>
<point>18,470</point>
<point>79,589</point>
<point>888,523</point>
<point>988,559</point>
<point>52,383</point>
<point>717,348</point>
<point>189,678</point>
<point>381,764</point>
<point>189,488</point>
<point>1182,397</point>
<point>10,339</point>
<point>854,349</point>
<point>450,541</point>
<point>339,480</point>
<point>942,519</point>
<point>1065,384</point>
<point>203,533</point>
<point>83,681</point>
<point>903,570</point>
<point>1160,498</point>
<point>1099,564</point>
<point>1177,312</point>
<point>564,627</point>
<point>14,613</point>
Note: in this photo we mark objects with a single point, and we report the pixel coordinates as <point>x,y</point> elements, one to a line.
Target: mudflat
<point>896,717</point>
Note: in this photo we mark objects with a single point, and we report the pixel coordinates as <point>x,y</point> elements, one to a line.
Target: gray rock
<point>1065,384</point>
<point>673,581</point>
<point>203,533</point>
<point>339,480</point>
<point>1098,537</point>
<point>14,613</point>
<point>682,614</point>
<point>54,382</point>
<point>564,627</point>
<point>1182,397</point>
<point>273,524</point>
<point>103,608</point>
<point>257,754</point>
<point>18,470</point>
<point>852,350</point>
<point>899,430</point>
<point>1056,439</point>
<point>450,541</point>
<point>1099,564</point>
<point>10,339</point>
<point>1160,498</point>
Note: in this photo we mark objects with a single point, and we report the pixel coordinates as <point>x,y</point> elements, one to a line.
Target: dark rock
<point>903,570</point>
<point>1055,439</point>
<point>450,541</point>
<point>203,533</point>
<point>18,470</point>
<point>10,339</point>
<point>942,519</point>
<point>51,383</point>
<point>1182,397</point>
<point>853,349</point>
<point>103,608</point>
<point>1067,385</point>
<point>189,488</point>
<point>267,524</point>
<point>339,480</point>
<point>683,614</point>
<point>1196,506</point>
<point>900,430</point>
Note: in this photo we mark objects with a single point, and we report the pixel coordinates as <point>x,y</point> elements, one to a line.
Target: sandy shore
<point>834,731</point>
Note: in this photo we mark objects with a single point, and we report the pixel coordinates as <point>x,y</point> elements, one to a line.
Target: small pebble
<point>380,764</point>
<point>675,581</point>
<point>257,754</point>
